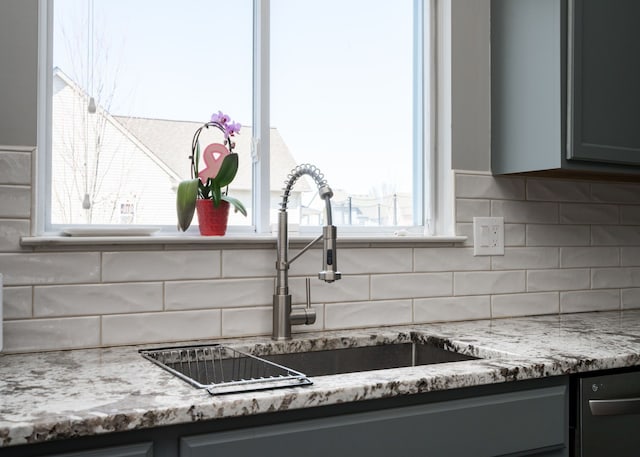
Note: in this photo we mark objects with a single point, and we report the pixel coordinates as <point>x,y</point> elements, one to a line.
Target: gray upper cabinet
<point>565,86</point>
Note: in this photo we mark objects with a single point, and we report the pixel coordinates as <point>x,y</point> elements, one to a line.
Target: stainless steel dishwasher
<point>607,420</point>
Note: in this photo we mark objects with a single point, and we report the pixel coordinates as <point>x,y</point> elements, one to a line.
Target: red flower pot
<point>212,220</point>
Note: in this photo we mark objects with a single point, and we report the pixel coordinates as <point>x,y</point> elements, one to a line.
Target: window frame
<point>432,188</point>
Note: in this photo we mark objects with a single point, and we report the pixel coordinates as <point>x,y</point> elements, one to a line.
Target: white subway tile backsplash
<point>486,186</point>
<point>630,298</point>
<point>218,293</point>
<point>451,308</point>
<point>558,235</point>
<point>515,234</point>
<point>466,229</point>
<point>349,288</point>
<point>608,278</point>
<point>160,327</point>
<point>46,334</point>
<point>582,213</point>
<point>566,251</point>
<point>413,285</point>
<point>589,257</point>
<point>96,299</point>
<point>525,212</point>
<point>524,304</point>
<point>524,258</point>
<point>630,215</point>
<point>262,262</point>
<point>12,230</point>
<point>159,266</point>
<point>558,190</point>
<point>448,259</point>
<point>250,262</point>
<point>612,192</point>
<point>467,209</point>
<point>309,264</point>
<point>367,314</point>
<point>589,300</point>
<point>615,235</point>
<point>15,167</point>
<point>488,282</point>
<point>17,302</point>
<point>15,202</point>
<point>375,260</point>
<point>629,256</point>
<point>560,279</point>
<point>50,268</point>
<point>246,322</point>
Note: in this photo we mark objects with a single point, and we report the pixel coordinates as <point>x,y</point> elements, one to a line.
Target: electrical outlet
<point>488,236</point>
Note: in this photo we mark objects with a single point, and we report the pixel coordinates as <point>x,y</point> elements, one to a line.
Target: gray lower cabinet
<point>532,422</point>
<point>131,450</point>
<point>523,418</point>
<point>564,81</point>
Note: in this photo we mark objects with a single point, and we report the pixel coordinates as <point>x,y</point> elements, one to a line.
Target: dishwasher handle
<point>615,407</point>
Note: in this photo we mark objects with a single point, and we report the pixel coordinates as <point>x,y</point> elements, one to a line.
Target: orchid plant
<point>221,166</point>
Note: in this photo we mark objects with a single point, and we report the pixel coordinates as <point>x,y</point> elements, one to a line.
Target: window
<point>341,82</point>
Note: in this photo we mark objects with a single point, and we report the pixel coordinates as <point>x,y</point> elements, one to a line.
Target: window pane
<point>156,71</point>
<point>341,99</point>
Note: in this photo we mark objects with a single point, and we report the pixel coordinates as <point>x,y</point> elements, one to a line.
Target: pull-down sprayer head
<point>329,272</point>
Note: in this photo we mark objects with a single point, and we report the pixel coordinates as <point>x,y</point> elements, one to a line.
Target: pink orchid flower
<point>220,118</point>
<point>232,129</point>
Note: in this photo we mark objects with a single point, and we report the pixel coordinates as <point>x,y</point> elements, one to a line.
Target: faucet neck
<point>283,315</point>
<point>282,260</point>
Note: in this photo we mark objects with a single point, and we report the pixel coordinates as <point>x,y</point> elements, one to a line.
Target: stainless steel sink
<point>221,369</point>
<point>366,358</point>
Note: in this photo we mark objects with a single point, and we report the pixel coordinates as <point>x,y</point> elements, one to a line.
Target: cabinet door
<point>133,450</point>
<point>604,81</point>
<point>519,423</point>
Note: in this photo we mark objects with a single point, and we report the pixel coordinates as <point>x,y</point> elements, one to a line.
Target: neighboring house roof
<point>171,142</point>
<point>168,144</point>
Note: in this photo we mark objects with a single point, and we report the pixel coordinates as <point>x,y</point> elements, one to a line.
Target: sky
<point>341,84</point>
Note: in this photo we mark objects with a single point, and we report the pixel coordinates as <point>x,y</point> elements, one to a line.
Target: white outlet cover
<point>488,236</point>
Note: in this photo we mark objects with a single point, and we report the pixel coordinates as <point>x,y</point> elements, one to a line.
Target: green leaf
<point>186,202</point>
<point>237,204</point>
<point>227,171</point>
<point>216,194</point>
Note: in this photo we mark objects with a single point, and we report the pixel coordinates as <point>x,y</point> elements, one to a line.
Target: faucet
<point>284,315</point>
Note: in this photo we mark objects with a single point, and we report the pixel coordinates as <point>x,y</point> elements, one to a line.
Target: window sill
<point>227,241</point>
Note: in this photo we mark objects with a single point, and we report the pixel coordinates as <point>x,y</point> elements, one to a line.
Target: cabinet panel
<point>527,75</point>
<point>564,91</point>
<point>133,450</point>
<point>492,425</point>
<point>604,45</point>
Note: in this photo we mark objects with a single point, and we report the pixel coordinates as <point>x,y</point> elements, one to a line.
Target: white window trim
<point>434,105</point>
<point>443,202</point>
<point>261,119</point>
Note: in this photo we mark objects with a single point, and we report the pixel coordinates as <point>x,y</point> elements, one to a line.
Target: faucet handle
<point>306,315</point>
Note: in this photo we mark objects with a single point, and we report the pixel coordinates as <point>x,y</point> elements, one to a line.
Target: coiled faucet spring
<point>309,170</point>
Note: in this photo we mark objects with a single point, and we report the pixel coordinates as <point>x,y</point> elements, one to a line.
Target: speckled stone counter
<point>66,394</point>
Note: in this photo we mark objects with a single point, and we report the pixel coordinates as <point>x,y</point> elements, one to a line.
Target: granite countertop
<point>66,394</point>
